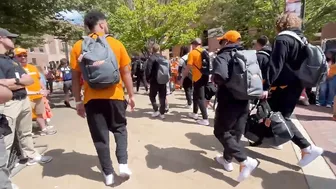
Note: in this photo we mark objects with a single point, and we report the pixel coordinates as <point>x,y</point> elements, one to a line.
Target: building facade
<point>52,50</point>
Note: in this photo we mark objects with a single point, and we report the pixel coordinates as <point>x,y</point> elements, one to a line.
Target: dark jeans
<point>230,122</point>
<point>160,89</point>
<point>103,116</point>
<point>187,86</point>
<point>284,101</point>
<point>50,86</point>
<point>141,79</point>
<point>199,96</point>
<point>5,183</point>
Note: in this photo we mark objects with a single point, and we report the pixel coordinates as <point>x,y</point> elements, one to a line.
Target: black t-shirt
<point>10,69</point>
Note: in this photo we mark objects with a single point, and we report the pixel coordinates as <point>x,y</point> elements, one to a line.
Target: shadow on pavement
<point>172,116</point>
<point>209,142</point>
<point>74,163</point>
<point>178,160</point>
<point>331,156</point>
<point>272,180</point>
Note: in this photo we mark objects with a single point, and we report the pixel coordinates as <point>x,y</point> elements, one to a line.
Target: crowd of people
<point>24,88</point>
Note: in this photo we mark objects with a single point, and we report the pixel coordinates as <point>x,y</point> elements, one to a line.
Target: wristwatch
<point>17,81</point>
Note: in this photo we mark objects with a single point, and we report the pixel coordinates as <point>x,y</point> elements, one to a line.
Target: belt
<point>282,87</point>
<point>19,97</point>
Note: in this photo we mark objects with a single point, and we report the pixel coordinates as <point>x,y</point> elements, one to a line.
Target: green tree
<point>139,23</point>
<point>257,17</point>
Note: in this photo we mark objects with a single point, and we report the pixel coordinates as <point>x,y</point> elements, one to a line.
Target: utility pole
<point>303,12</point>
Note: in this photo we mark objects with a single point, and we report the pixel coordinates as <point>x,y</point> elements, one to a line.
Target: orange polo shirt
<point>195,60</point>
<point>36,86</point>
<point>114,92</point>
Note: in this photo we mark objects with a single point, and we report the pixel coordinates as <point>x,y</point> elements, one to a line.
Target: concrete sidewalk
<point>168,154</point>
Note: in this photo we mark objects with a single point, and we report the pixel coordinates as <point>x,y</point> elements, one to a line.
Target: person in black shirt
<point>19,108</point>
<point>287,86</point>
<point>156,88</point>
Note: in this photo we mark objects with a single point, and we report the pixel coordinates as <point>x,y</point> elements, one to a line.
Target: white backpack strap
<point>296,36</point>
<point>263,52</point>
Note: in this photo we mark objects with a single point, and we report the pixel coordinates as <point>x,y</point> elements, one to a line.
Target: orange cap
<point>19,50</point>
<point>232,36</point>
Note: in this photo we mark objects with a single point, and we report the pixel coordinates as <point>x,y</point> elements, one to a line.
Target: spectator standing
<point>66,76</point>
<point>19,108</point>
<point>35,91</point>
<point>50,80</point>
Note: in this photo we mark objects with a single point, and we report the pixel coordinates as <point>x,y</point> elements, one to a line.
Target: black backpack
<point>205,69</point>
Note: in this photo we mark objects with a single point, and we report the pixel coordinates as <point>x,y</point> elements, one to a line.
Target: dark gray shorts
<point>67,86</point>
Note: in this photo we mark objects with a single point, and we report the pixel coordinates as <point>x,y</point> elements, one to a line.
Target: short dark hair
<point>262,40</point>
<point>92,18</point>
<point>184,50</point>
<point>64,61</point>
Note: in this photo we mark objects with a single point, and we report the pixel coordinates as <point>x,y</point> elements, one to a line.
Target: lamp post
<point>303,12</point>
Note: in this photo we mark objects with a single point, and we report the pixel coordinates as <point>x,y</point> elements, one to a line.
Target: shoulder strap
<point>293,34</point>
<point>264,52</point>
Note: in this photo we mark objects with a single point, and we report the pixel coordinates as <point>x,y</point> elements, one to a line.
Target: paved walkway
<point>321,128</point>
<point>169,154</point>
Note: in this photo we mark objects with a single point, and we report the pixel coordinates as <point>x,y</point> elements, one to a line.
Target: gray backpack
<point>163,73</point>
<point>314,68</point>
<point>245,82</point>
<point>99,65</point>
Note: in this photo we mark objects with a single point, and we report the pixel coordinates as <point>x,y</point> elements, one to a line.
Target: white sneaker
<point>280,147</point>
<point>162,116</point>
<point>124,171</point>
<point>155,114</point>
<point>193,116</point>
<point>109,179</point>
<point>189,106</point>
<point>246,168</point>
<point>204,122</point>
<point>227,166</point>
<point>14,186</point>
<point>328,106</point>
<point>309,154</point>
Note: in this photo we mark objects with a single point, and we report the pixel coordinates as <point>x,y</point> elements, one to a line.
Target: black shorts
<point>67,86</point>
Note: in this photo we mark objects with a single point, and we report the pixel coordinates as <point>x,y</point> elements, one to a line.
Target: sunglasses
<point>22,56</point>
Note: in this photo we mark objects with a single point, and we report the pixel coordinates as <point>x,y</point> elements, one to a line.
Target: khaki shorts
<point>38,106</point>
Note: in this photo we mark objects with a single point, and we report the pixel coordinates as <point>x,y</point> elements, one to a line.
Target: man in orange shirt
<point>199,81</point>
<point>34,91</point>
<point>105,109</point>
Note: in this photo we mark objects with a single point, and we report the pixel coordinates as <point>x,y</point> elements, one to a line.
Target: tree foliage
<point>142,22</point>
<point>258,16</point>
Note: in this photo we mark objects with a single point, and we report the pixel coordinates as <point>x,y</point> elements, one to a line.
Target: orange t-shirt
<point>114,92</point>
<point>195,60</point>
<point>36,86</point>
<point>332,70</point>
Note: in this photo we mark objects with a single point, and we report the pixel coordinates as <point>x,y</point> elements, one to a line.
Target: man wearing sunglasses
<point>18,110</point>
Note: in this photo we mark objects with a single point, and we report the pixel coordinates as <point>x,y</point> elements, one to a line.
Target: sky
<point>73,16</point>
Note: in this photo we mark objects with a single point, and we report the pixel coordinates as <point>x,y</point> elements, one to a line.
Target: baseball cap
<point>232,36</point>
<point>196,41</point>
<point>19,50</point>
<point>6,33</point>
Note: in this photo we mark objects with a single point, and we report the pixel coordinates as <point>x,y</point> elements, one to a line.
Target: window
<point>41,49</point>
<point>34,61</point>
<point>31,50</point>
<point>63,46</point>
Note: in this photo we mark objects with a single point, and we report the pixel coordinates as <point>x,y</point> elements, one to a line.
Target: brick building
<point>52,50</point>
